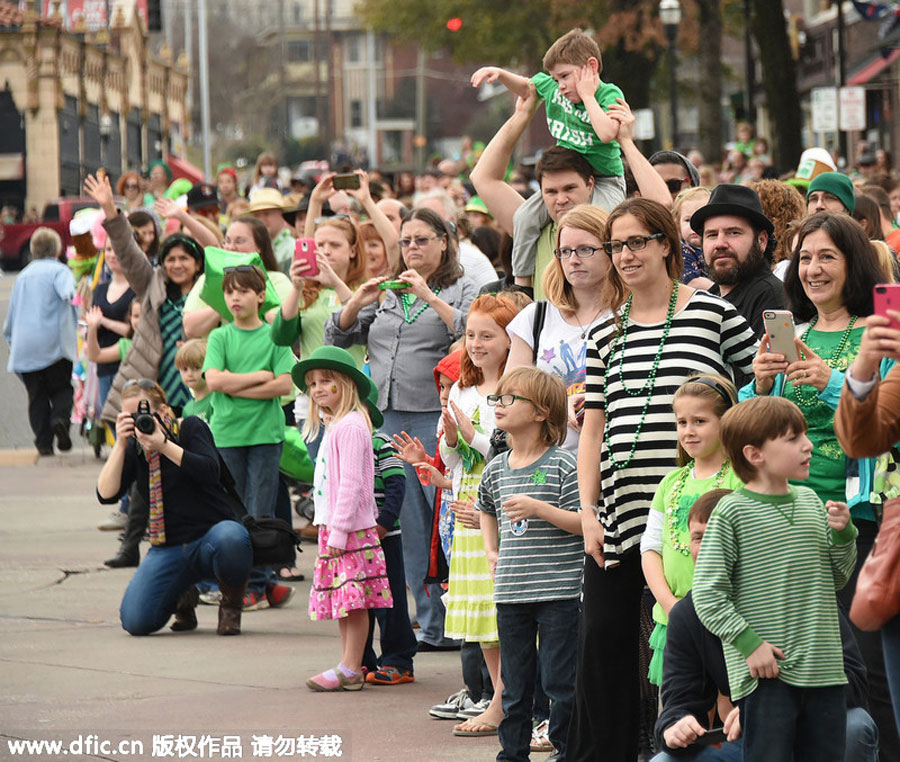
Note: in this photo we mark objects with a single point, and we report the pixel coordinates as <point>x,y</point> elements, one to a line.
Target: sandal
<point>475,728</point>
<point>539,738</point>
<point>291,574</point>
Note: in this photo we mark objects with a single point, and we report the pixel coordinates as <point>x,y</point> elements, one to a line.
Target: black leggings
<point>606,720</point>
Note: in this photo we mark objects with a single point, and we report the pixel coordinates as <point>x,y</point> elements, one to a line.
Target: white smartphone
<point>780,330</point>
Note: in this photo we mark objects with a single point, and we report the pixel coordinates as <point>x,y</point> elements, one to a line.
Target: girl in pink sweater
<point>350,575</point>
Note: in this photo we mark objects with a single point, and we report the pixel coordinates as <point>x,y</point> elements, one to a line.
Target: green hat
<point>836,184</point>
<point>475,204</point>
<point>371,401</point>
<point>331,358</point>
<point>160,163</point>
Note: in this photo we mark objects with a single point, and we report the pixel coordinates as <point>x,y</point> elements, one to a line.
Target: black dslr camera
<point>143,418</point>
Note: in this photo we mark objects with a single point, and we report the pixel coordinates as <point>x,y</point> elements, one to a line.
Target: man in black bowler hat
<point>738,243</point>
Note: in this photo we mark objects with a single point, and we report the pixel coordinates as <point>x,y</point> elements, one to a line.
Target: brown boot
<point>230,609</point>
<point>186,611</point>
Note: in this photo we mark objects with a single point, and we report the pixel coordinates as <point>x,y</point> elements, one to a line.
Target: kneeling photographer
<point>192,532</point>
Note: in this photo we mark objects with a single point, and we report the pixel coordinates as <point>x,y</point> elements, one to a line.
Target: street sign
<point>824,109</point>
<point>853,108</point>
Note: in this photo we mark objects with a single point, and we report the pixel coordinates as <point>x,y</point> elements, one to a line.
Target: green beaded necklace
<point>675,501</point>
<point>407,300</point>
<point>812,399</point>
<point>651,377</point>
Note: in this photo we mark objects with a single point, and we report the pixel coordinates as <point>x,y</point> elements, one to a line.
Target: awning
<point>874,68</point>
<point>183,168</point>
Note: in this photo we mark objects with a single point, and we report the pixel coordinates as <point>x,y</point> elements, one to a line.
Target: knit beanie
<point>836,184</point>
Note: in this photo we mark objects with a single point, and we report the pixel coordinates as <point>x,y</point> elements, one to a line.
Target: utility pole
<point>419,137</point>
<point>204,86</point>
<point>189,51</point>
<point>372,100</point>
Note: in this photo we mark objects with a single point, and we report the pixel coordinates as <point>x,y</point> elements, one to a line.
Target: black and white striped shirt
<point>707,336</point>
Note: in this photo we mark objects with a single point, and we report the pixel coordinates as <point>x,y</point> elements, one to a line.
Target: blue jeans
<point>224,552</point>
<point>398,641</point>
<point>783,723</point>
<point>730,751</point>
<point>255,472</point>
<point>522,626</point>
<point>415,518</point>
<point>862,736</point>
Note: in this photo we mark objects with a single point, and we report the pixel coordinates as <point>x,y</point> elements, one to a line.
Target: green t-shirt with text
<point>571,126</point>
<point>237,421</point>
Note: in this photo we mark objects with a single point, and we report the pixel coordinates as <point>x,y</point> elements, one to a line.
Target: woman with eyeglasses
<point>129,187</point>
<point>423,312</point>
<point>193,535</point>
<point>573,283</point>
<point>660,333</point>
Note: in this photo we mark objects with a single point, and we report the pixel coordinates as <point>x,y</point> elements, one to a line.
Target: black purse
<point>274,540</point>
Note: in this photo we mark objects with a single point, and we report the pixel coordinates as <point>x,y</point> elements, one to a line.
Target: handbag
<point>273,539</point>
<point>877,597</point>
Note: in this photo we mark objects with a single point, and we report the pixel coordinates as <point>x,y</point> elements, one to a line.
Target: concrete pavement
<point>70,672</point>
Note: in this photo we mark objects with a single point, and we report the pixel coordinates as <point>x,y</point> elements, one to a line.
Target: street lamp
<point>670,15</point>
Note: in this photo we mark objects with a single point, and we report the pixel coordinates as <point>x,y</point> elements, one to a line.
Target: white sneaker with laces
<point>116,522</point>
<point>453,706</point>
<point>467,713</point>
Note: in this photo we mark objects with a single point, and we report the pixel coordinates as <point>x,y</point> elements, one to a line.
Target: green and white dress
<point>471,614</point>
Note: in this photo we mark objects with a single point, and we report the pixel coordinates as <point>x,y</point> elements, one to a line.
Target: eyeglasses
<point>143,383</point>
<point>420,241</point>
<point>131,186</point>
<point>505,400</point>
<point>582,252</point>
<point>634,243</point>
<point>675,185</point>
<point>239,269</point>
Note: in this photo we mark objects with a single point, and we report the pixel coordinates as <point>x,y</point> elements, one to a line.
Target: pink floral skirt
<point>355,580</point>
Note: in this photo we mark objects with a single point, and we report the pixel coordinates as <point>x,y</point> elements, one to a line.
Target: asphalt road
<point>14,429</point>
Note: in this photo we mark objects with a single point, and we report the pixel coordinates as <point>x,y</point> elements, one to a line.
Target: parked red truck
<point>15,239</point>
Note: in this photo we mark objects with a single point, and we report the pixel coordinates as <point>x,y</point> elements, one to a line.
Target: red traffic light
<point>454,24</point>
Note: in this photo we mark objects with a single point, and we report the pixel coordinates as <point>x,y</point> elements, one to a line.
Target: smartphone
<point>886,296</point>
<point>305,249</point>
<point>393,285</point>
<point>711,737</point>
<point>349,181</point>
<point>780,330</point>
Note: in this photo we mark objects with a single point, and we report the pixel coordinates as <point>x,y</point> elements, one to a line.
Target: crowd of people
<point>558,416</point>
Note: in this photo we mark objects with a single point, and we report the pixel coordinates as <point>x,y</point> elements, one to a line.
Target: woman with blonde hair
<point>573,283</point>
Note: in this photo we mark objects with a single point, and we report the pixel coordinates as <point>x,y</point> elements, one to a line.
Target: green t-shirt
<point>123,345</point>
<point>202,408</point>
<point>678,567</point>
<point>240,422</point>
<point>545,245</point>
<point>571,126</point>
<point>828,467</point>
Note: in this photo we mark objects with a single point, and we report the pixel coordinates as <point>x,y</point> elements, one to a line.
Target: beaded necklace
<point>651,377</point>
<point>812,399</point>
<point>407,300</point>
<point>675,502</point>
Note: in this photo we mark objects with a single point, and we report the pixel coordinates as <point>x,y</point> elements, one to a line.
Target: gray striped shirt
<point>544,563</point>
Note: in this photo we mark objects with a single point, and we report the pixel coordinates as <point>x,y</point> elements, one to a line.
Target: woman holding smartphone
<point>829,282</point>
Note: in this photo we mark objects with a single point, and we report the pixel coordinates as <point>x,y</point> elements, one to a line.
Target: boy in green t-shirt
<point>189,360</point>
<point>576,102</point>
<point>248,375</point>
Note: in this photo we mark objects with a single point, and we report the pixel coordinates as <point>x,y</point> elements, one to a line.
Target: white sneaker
<point>467,713</point>
<point>212,598</point>
<point>453,706</point>
<point>116,522</point>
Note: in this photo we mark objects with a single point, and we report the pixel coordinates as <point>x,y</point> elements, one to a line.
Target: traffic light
<point>154,15</point>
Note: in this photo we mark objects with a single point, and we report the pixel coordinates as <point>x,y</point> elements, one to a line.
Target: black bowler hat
<point>736,200</point>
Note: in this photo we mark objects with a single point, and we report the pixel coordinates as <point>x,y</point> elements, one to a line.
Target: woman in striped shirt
<point>661,333</point>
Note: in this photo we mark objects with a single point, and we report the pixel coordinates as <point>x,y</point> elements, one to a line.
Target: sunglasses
<point>320,220</point>
<point>143,383</point>
<point>131,186</point>
<point>675,185</point>
<point>239,269</point>
<point>420,241</point>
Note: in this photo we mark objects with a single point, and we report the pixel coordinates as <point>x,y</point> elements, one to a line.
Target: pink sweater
<point>351,479</point>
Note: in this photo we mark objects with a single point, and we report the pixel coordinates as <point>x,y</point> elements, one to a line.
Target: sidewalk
<point>69,670</point>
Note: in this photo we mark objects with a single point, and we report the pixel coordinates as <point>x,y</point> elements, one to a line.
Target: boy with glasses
<point>528,498</point>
